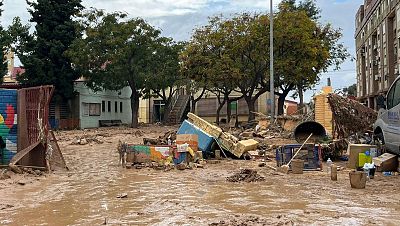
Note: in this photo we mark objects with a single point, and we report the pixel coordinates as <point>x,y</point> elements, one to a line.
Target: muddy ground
<point>87,194</point>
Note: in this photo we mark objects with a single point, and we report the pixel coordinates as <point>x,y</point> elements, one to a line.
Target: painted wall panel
<point>8,124</point>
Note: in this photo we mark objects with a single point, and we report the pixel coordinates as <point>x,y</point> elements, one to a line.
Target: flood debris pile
<point>87,139</point>
<point>243,220</point>
<point>264,129</point>
<point>246,175</point>
<point>165,139</point>
<point>349,116</point>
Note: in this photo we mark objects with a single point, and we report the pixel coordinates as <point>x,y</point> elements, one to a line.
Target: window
<point>120,107</point>
<point>109,106</point>
<point>94,109</point>
<point>85,108</point>
<point>116,107</point>
<point>91,109</point>
<point>390,97</point>
<point>396,96</point>
<point>103,106</point>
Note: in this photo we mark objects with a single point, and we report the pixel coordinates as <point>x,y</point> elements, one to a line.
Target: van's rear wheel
<point>379,138</point>
<point>379,141</point>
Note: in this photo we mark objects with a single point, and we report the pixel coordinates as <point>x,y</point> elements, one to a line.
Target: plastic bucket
<point>372,173</point>
<point>358,179</point>
<point>297,166</point>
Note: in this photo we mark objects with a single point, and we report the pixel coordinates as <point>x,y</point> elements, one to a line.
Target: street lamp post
<point>271,62</point>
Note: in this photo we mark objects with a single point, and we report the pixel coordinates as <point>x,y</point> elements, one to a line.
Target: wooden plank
<point>22,153</point>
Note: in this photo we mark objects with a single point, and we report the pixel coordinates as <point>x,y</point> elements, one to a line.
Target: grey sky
<point>177,19</point>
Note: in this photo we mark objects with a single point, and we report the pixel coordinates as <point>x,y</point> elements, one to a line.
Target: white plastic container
<point>329,164</point>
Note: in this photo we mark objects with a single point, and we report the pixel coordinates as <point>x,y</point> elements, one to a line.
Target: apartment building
<point>377,41</point>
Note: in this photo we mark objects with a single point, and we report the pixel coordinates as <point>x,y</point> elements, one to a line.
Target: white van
<point>387,126</point>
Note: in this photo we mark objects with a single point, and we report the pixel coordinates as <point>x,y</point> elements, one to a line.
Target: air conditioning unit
<point>362,50</point>
<point>377,77</point>
<point>375,62</point>
<point>396,70</point>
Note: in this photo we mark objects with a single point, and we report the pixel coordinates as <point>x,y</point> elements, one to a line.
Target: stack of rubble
<point>87,139</point>
<point>167,138</point>
<point>349,116</point>
<point>246,175</point>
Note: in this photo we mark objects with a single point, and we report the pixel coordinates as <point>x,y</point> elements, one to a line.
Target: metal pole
<point>271,62</point>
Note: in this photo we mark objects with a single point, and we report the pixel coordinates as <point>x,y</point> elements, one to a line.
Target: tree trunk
<point>221,105</point>
<point>228,111</point>
<point>250,104</point>
<point>135,109</point>
<point>282,98</point>
<point>281,103</point>
<point>193,100</point>
<point>301,97</point>
<point>193,105</point>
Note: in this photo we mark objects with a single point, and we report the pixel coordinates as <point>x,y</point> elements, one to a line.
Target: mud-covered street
<point>87,193</point>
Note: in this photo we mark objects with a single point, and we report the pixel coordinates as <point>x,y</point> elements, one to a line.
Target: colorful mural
<point>8,124</point>
<point>150,153</point>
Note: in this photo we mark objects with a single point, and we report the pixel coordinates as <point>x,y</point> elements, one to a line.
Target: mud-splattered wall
<point>8,124</point>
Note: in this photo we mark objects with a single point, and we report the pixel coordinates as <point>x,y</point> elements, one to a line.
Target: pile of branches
<point>349,116</point>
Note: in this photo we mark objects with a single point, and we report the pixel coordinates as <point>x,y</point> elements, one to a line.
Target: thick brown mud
<point>87,194</point>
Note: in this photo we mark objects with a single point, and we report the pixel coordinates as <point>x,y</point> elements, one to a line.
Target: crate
<point>309,153</point>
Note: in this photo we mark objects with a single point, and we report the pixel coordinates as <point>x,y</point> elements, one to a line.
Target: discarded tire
<point>304,130</point>
<point>357,179</point>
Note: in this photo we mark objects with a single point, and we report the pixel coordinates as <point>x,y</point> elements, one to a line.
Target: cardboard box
<point>386,162</point>
<point>191,139</point>
<point>353,150</point>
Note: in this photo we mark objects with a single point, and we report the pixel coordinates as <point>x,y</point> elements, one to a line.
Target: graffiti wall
<point>8,124</point>
<point>145,153</point>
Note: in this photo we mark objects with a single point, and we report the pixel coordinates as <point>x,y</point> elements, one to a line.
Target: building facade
<point>91,107</point>
<point>377,42</point>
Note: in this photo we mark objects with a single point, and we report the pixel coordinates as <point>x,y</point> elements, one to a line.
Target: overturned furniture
<point>37,145</point>
<point>225,140</point>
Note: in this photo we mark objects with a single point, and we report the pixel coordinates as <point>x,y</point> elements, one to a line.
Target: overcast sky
<point>177,19</point>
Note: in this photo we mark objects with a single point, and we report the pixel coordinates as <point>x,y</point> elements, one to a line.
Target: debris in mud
<point>161,140</point>
<point>349,116</point>
<point>86,139</point>
<point>139,133</point>
<point>122,196</point>
<point>5,206</point>
<point>246,175</point>
<point>199,166</point>
<point>181,166</point>
<point>5,175</point>
<point>251,220</point>
<point>213,161</point>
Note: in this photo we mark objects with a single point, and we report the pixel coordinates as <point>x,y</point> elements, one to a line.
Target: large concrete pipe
<point>304,130</point>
